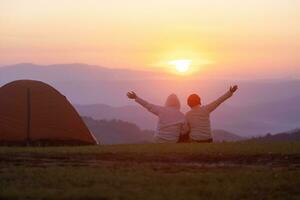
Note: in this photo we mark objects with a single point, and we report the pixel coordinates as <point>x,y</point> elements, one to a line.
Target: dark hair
<point>193,100</point>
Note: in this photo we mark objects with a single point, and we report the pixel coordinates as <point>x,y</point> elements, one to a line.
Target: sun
<point>182,65</point>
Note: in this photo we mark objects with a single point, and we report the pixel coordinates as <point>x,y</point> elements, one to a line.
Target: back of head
<point>194,100</point>
<point>173,101</point>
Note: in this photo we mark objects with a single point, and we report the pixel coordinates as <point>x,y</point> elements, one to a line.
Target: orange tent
<point>34,113</point>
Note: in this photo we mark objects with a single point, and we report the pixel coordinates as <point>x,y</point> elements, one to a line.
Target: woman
<point>170,119</point>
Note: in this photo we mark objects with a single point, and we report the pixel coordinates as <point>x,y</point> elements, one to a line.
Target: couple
<point>173,126</point>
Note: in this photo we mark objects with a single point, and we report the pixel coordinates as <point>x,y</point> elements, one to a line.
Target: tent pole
<point>28,116</point>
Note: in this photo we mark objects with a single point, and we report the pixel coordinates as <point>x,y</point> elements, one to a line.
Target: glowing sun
<point>181,66</point>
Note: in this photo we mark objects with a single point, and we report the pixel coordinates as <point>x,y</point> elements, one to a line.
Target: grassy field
<point>243,170</point>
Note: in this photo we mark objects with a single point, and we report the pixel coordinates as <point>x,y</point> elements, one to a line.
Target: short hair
<point>194,100</point>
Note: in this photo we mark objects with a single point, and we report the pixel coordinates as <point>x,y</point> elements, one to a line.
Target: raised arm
<point>213,105</point>
<point>150,107</point>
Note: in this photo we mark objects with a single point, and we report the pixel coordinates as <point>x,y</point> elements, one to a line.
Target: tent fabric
<point>32,112</point>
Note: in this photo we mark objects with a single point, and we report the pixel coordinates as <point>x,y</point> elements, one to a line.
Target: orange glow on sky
<point>230,38</point>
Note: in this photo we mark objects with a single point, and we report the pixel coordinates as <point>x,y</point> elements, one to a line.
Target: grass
<point>243,170</point>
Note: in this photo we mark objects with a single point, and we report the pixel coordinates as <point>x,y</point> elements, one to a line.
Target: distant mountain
<point>289,136</point>
<point>272,117</point>
<point>247,120</point>
<point>117,132</point>
<point>120,132</point>
<point>90,84</point>
<point>259,106</point>
<point>132,114</point>
<point>71,72</point>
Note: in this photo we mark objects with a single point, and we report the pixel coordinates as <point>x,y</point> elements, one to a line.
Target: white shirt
<point>170,121</point>
<point>198,118</point>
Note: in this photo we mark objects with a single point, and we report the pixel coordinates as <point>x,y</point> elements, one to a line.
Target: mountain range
<point>259,106</point>
<point>289,136</point>
<point>91,84</point>
<point>246,121</point>
<point>71,72</point>
<point>121,132</point>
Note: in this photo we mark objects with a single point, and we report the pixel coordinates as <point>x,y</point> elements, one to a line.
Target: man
<point>198,118</point>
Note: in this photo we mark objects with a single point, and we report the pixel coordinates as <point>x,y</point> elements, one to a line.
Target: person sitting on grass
<point>170,119</point>
<point>198,118</point>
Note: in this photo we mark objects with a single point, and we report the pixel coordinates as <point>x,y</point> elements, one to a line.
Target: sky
<point>220,38</point>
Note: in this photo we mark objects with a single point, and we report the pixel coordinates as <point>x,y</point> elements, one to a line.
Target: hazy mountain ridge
<point>117,132</point>
<point>272,117</point>
<point>90,84</point>
<point>259,106</point>
<point>246,121</point>
<point>70,72</point>
<point>121,132</point>
<point>288,136</point>
<point>132,114</point>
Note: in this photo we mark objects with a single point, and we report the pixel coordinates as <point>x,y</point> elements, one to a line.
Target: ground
<point>241,170</point>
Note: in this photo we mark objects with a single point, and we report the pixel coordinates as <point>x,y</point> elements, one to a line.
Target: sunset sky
<point>221,38</point>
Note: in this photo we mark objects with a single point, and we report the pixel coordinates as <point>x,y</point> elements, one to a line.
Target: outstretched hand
<point>233,89</point>
<point>131,95</point>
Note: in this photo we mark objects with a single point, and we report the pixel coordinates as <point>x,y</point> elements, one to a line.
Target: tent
<point>34,113</point>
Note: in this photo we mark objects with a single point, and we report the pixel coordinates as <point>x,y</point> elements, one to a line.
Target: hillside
<point>244,120</point>
<point>117,132</point>
<point>289,136</point>
<point>121,132</point>
<point>132,114</point>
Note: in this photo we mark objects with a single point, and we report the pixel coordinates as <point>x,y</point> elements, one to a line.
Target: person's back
<point>199,123</point>
<point>169,126</point>
<point>198,118</point>
<point>170,119</point>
